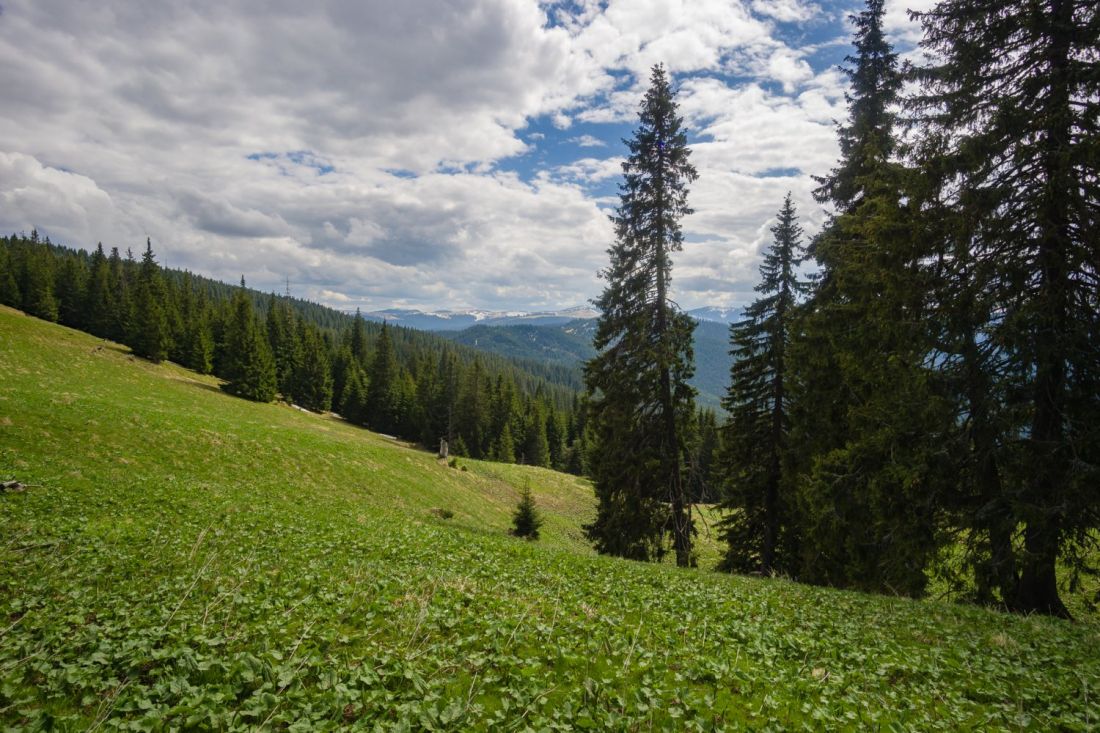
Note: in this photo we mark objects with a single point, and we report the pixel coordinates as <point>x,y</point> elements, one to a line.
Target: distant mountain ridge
<point>570,344</point>
<point>457,320</point>
<point>448,320</point>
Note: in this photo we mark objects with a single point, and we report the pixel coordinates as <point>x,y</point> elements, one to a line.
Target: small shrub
<point>526,521</point>
<point>444,513</point>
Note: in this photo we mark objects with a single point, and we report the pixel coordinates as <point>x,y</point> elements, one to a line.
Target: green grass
<point>187,560</point>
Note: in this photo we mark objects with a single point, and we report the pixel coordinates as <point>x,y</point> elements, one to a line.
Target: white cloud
<point>588,141</point>
<point>785,11</point>
<point>356,145</point>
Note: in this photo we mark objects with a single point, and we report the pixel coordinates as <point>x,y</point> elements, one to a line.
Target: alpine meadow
<point>550,366</point>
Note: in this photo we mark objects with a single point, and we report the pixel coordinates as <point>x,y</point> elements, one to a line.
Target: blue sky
<point>435,155</point>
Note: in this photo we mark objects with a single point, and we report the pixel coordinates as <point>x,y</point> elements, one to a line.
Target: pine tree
<point>249,368</point>
<point>353,405</point>
<point>1011,94</point>
<point>120,299</point>
<point>282,334</point>
<point>313,377</point>
<point>639,396</point>
<point>504,449</point>
<point>150,336</point>
<point>867,414</point>
<point>38,281</point>
<point>526,521</point>
<point>536,448</point>
<point>758,527</point>
<point>97,297</point>
<point>357,340</point>
<point>70,289</point>
<point>9,285</point>
<point>381,415</point>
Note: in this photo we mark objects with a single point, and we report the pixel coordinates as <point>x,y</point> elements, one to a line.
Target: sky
<point>430,154</point>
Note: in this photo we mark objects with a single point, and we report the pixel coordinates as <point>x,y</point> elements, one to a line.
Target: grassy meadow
<point>185,560</point>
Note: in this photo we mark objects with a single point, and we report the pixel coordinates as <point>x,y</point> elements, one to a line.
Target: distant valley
<point>565,338</point>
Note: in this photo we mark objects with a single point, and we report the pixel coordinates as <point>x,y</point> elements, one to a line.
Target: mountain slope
<point>570,344</point>
<point>183,559</point>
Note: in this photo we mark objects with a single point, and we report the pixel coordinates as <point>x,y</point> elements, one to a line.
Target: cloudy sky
<point>429,154</point>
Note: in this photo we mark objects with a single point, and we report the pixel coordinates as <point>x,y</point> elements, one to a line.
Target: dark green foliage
<point>150,338</point>
<point>640,399</point>
<point>37,282</point>
<point>312,381</point>
<point>9,284</point>
<point>705,441</point>
<point>1010,116</point>
<point>760,526</point>
<point>353,402</point>
<point>536,447</point>
<point>249,368</point>
<point>286,346</point>
<point>382,377</point>
<point>868,416</point>
<point>526,521</point>
<point>72,276</point>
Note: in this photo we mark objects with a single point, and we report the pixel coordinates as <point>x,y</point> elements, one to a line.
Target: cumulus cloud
<point>362,148</point>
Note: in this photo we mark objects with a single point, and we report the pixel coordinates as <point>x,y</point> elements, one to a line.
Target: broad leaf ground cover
<point>186,560</point>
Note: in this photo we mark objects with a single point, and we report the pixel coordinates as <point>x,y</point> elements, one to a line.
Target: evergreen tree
<point>758,525</point>
<point>1010,100</point>
<point>70,290</point>
<point>638,383</point>
<point>150,337</point>
<point>867,415</point>
<point>249,368</point>
<point>9,285</point>
<point>120,299</point>
<point>353,405</point>
<point>526,521</point>
<point>38,281</point>
<point>536,448</point>
<point>282,334</point>
<point>313,378</point>
<point>357,340</point>
<point>97,297</point>
<point>382,377</point>
<point>504,449</point>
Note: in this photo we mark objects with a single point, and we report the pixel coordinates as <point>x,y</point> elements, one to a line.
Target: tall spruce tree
<point>640,399</point>
<point>249,368</point>
<point>759,525</point>
<point>150,334</point>
<point>1011,94</point>
<point>382,379</point>
<point>865,412</point>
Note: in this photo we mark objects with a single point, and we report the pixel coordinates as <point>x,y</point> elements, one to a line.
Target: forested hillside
<point>399,381</point>
<point>570,345</point>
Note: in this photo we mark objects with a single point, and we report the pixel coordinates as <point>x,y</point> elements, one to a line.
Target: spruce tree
<point>1011,95</point>
<point>313,377</point>
<point>867,416</point>
<point>353,403</point>
<point>9,285</point>
<point>249,368</point>
<point>382,378</point>
<point>526,521</point>
<point>638,383</point>
<point>759,524</point>
<point>150,335</point>
<point>97,297</point>
<point>70,290</point>
<point>37,286</point>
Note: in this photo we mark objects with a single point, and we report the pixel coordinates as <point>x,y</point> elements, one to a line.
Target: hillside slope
<point>570,345</point>
<point>182,558</point>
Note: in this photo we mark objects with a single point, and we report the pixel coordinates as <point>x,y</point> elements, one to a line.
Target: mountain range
<point>458,320</point>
